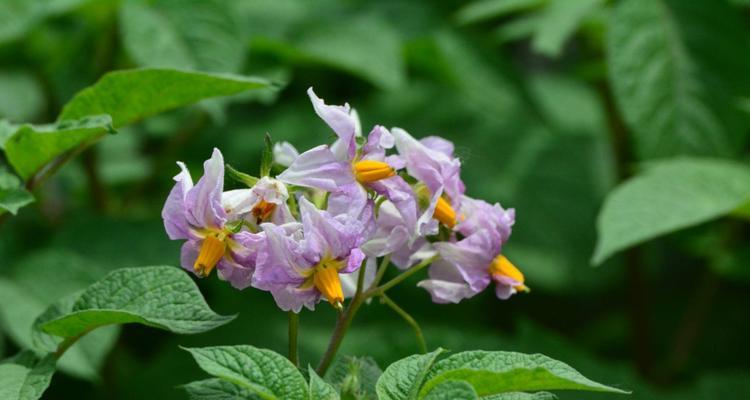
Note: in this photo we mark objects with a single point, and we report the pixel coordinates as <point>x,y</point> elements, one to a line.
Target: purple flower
<point>346,172</point>
<point>301,264</point>
<point>204,216</point>
<point>431,162</point>
<point>466,267</point>
<point>394,236</point>
<point>266,201</point>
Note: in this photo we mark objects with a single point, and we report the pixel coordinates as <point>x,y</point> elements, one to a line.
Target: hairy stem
<point>342,324</point>
<point>293,333</point>
<point>399,278</point>
<point>381,271</point>
<point>409,320</point>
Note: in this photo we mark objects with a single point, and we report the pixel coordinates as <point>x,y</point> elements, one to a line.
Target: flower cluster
<point>307,234</point>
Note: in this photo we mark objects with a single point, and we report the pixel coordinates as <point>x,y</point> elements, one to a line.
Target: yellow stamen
<point>212,249</point>
<point>326,280</point>
<point>368,171</point>
<point>445,213</point>
<point>501,266</point>
<point>263,210</point>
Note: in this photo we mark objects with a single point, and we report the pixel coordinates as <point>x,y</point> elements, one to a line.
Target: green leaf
<point>161,297</point>
<point>677,68</point>
<point>31,147</point>
<point>30,286</point>
<point>320,389</point>
<point>669,196</point>
<point>501,372</point>
<point>266,157</point>
<point>240,177</point>
<point>151,38</point>
<point>341,44</point>
<point>452,390</point>
<point>487,9</point>
<point>13,195</point>
<point>131,95</point>
<point>522,396</point>
<point>17,17</point>
<point>216,389</point>
<point>265,373</point>
<point>403,379</point>
<point>558,21</point>
<point>25,377</point>
<point>187,34</point>
<point>355,376</point>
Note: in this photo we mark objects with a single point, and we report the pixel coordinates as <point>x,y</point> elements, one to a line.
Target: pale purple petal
<point>503,292</point>
<point>447,284</point>
<point>402,196</point>
<point>439,144</point>
<point>339,118</point>
<point>426,224</point>
<point>478,214</point>
<point>378,141</point>
<point>318,168</point>
<point>203,201</point>
<point>174,213</point>
<point>353,262</point>
<point>239,276</point>
<point>432,167</point>
<point>188,255</point>
<point>280,261</point>
<point>284,153</point>
<point>237,202</point>
<point>351,200</point>
<point>472,256</point>
<point>291,298</point>
<point>412,253</point>
<point>325,234</point>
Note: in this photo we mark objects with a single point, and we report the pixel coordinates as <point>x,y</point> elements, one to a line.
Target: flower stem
<point>293,330</point>
<point>409,320</point>
<point>342,324</point>
<point>400,278</point>
<point>381,271</point>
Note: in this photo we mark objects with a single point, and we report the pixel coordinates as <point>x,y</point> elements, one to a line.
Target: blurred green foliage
<point>551,103</point>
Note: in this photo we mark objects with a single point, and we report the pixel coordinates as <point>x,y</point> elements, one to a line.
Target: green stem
<point>381,271</point>
<point>400,278</point>
<point>293,331</point>
<point>68,342</point>
<point>409,320</point>
<point>342,324</point>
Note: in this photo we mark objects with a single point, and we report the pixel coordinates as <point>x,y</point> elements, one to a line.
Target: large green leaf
<point>263,372</point>
<point>217,389</point>
<point>161,297</point>
<point>403,379</point>
<point>12,194</point>
<point>31,147</point>
<point>452,390</point>
<point>481,10</point>
<point>131,95</point>
<point>24,377</point>
<point>669,196</point>
<point>18,16</point>
<point>677,69</point>
<point>320,389</point>
<point>194,34</point>
<point>558,21</point>
<point>37,281</point>
<point>499,372</point>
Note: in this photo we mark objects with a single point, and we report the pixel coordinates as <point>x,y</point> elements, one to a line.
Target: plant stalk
<point>293,334</point>
<point>409,320</point>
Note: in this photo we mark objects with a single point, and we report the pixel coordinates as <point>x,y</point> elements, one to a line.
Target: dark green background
<point>536,128</point>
